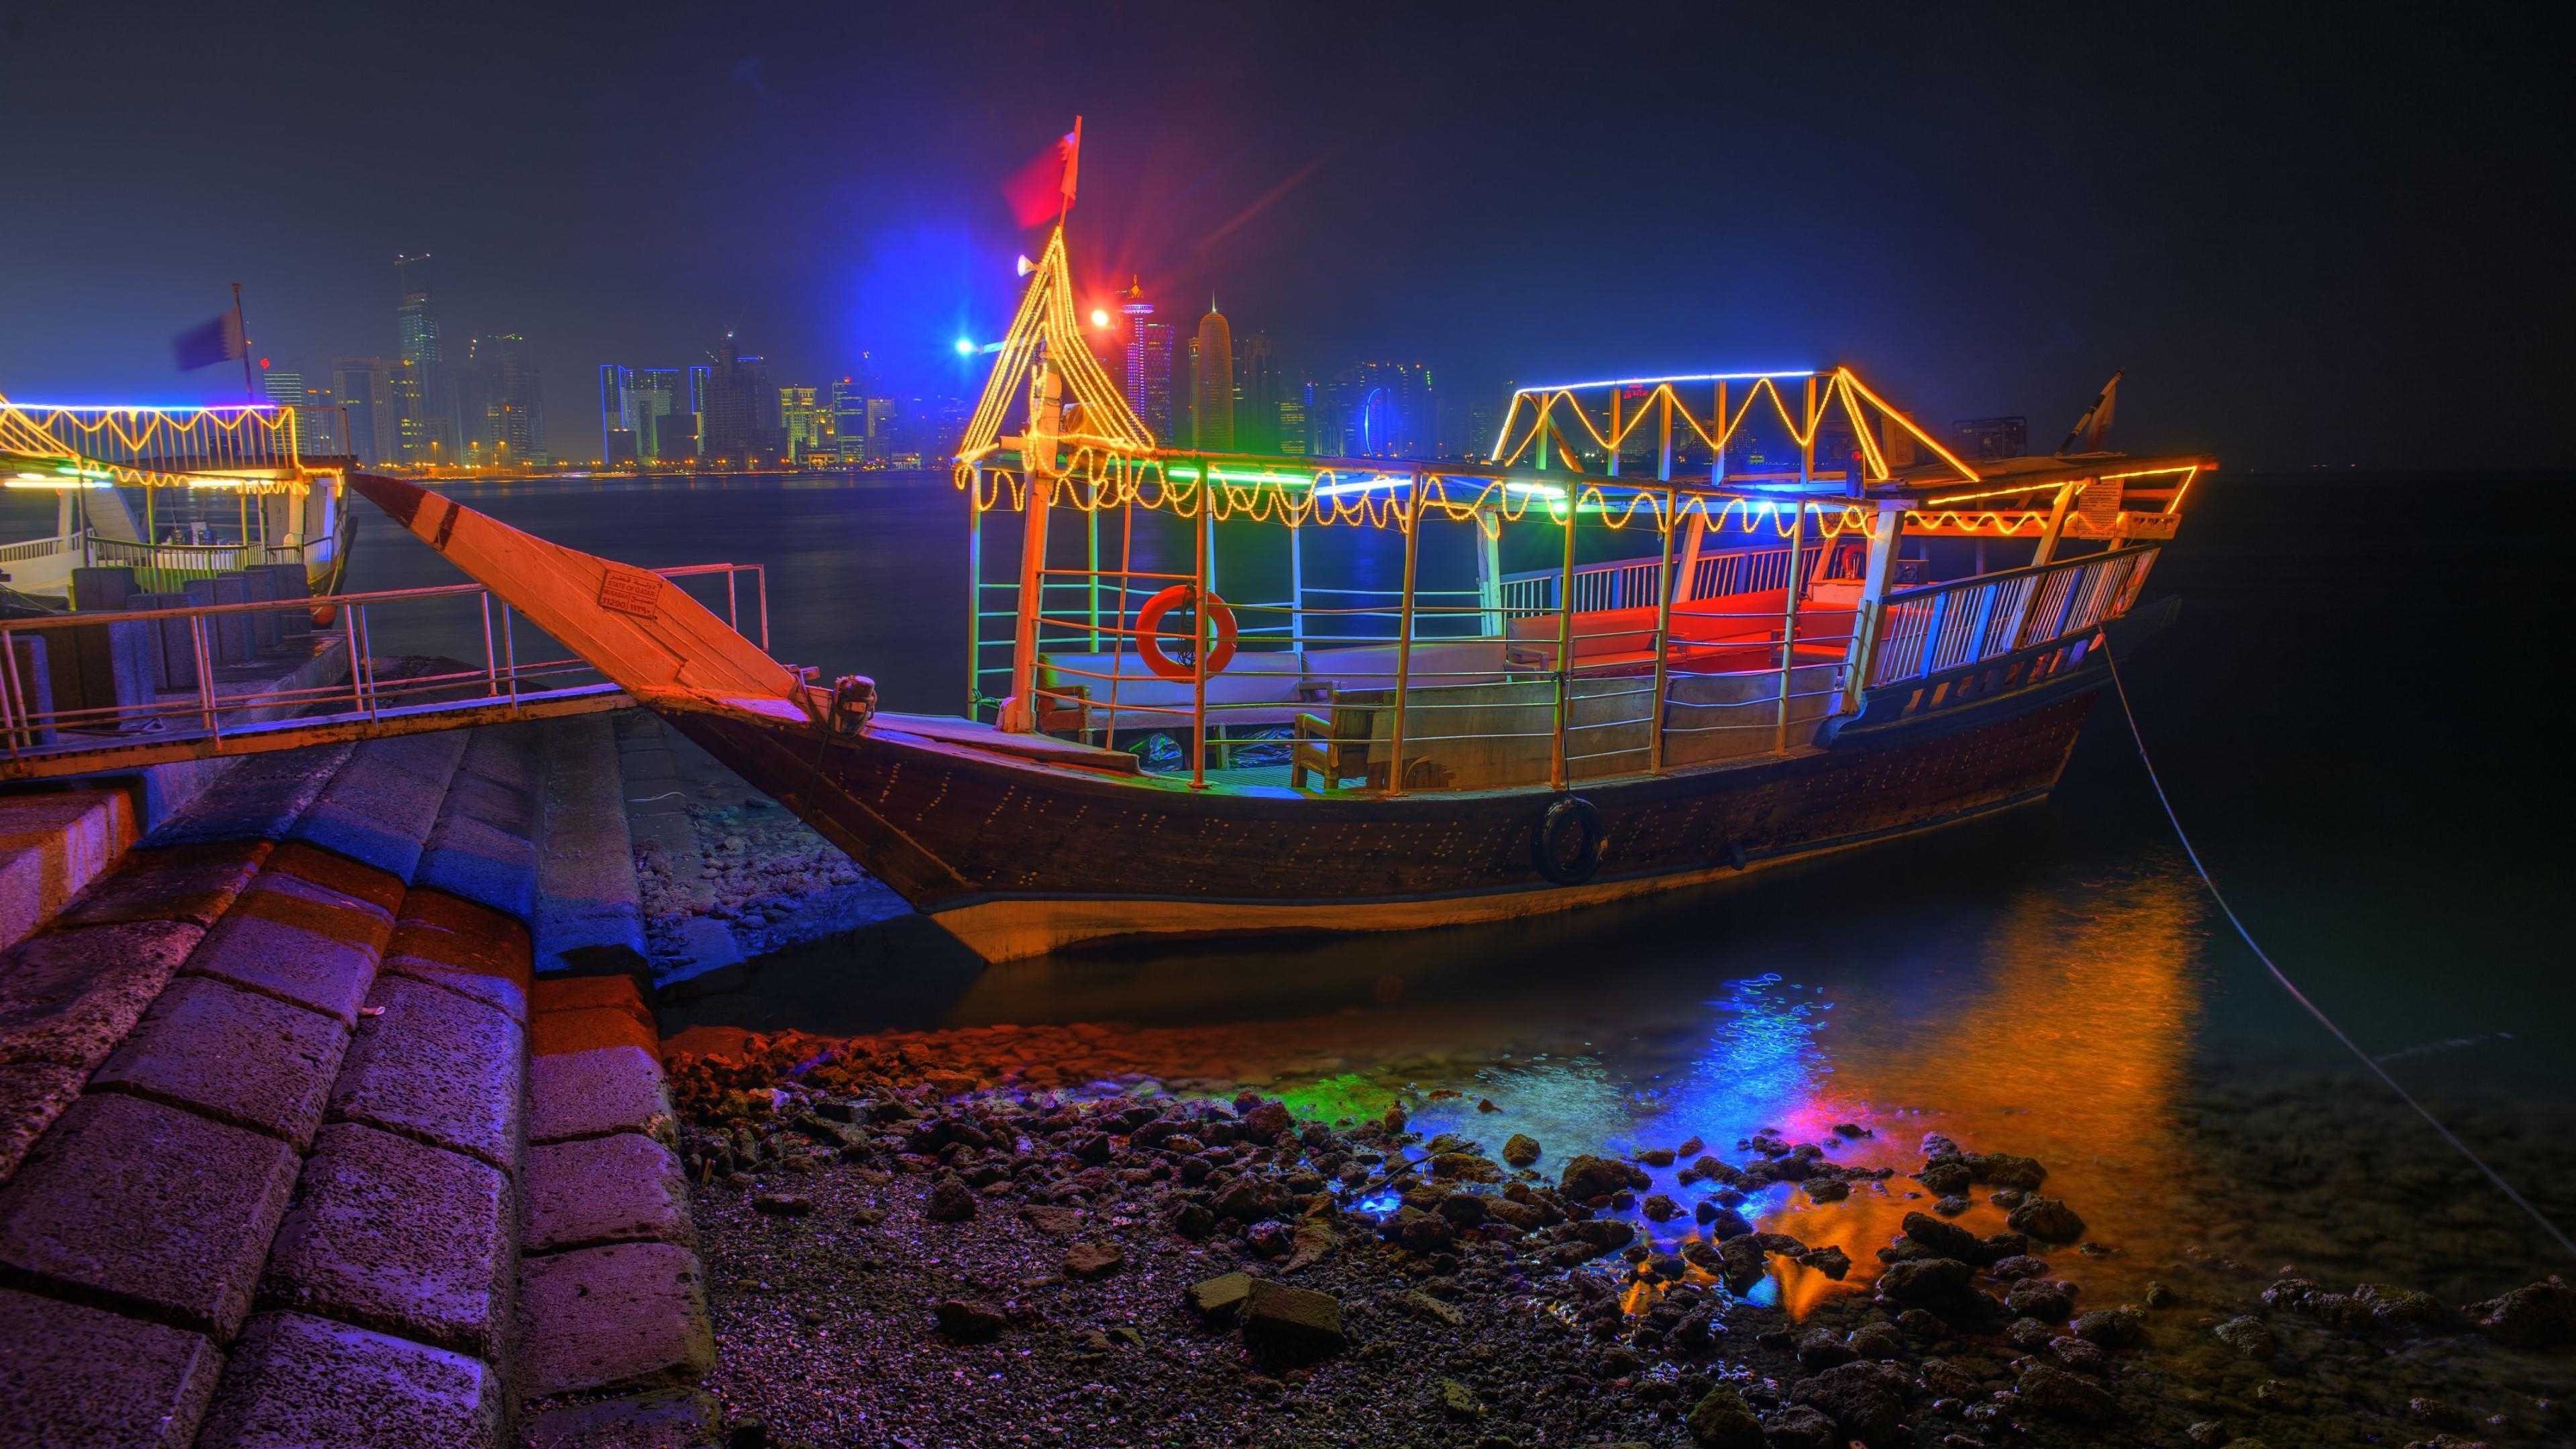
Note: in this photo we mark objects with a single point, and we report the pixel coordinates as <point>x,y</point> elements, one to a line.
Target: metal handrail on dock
<point>273,710</point>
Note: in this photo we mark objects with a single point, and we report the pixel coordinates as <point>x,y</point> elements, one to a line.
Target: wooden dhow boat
<point>1776,620</point>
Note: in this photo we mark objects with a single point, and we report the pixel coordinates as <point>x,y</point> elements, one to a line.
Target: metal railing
<point>197,681</point>
<point>208,439</point>
<point>1945,626</point>
<point>1639,582</point>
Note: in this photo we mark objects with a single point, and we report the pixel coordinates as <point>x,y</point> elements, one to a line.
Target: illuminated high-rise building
<point>424,394</point>
<point>850,420</point>
<point>1256,396</point>
<point>1374,410</point>
<point>1291,439</point>
<point>365,389</point>
<point>1149,362</point>
<point>730,408</point>
<point>808,423</point>
<point>1212,384</point>
<point>513,398</point>
<point>666,427</point>
<point>618,442</point>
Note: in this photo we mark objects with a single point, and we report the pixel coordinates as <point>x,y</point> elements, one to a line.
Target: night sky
<point>2309,240</point>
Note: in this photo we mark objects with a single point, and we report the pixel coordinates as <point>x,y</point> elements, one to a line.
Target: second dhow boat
<point>1767,679</point>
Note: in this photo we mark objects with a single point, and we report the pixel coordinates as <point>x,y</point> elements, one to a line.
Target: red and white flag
<point>1043,189</point>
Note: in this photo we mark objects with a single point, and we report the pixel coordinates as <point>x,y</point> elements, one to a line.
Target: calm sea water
<point>2351,716</point>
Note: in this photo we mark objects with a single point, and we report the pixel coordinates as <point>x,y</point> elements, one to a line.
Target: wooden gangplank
<point>93,754</point>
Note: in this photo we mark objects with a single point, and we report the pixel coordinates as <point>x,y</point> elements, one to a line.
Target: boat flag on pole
<point>1043,189</point>
<point>219,340</point>
<point>2086,437</point>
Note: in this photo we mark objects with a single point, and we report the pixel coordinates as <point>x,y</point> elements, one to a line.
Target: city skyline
<point>2270,250</point>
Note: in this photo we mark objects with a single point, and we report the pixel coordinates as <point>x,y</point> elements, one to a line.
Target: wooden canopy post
<point>1664,427</point>
<point>975,596</point>
<point>1297,579</point>
<point>1557,771</point>
<point>1614,430</point>
<point>1663,616</point>
<point>1489,571</point>
<point>1037,459</point>
<point>1871,619</point>
<point>1404,634</point>
<point>1199,640</point>
<point>1789,623</point>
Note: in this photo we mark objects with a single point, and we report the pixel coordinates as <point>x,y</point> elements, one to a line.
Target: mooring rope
<point>2291,987</point>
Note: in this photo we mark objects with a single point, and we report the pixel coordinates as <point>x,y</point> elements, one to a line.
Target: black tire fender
<point>1548,841</point>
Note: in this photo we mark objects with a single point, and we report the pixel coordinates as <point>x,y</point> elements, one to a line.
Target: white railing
<point>29,550</point>
<point>1638,582</point>
<point>1946,626</point>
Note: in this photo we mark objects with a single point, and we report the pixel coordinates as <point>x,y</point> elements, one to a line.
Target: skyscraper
<point>1212,382</point>
<point>666,430</point>
<point>850,420</point>
<point>506,380</point>
<point>1256,395</point>
<point>808,423</point>
<point>1149,362</point>
<point>365,388</point>
<point>731,409</point>
<point>1374,410</point>
<point>424,395</point>
<point>618,442</point>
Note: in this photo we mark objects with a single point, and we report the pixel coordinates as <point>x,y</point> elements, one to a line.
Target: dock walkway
<point>297,1148</point>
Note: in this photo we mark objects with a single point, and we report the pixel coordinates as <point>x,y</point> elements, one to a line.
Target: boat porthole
<point>1566,846</point>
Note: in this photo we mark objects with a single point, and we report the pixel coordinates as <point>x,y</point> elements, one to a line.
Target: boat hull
<point>1018,858</point>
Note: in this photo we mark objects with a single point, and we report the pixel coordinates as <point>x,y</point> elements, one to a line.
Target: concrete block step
<point>438,1066</point>
<point>464,947</point>
<point>483,847</point>
<point>381,806</point>
<point>300,1382</point>
<point>590,916</point>
<point>401,1237</point>
<point>259,798</point>
<point>147,1209</point>
<point>610,1295</point>
<point>233,1055</point>
<point>51,847</point>
<point>67,1000</point>
<point>74,1375</point>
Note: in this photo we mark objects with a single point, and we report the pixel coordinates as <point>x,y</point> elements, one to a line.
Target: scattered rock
<point>1456,1399</point>
<point>2111,1327</point>
<point>2248,1336</point>
<point>2058,1394</point>
<point>1520,1150</point>
<point>2541,1315</point>
<point>1865,1400</point>
<point>1722,1420</point>
<point>1824,1349</point>
<point>1219,1300</point>
<point>1800,1427</point>
<point>1093,1260</point>
<point>951,1201</point>
<point>1832,1262</point>
<point>1292,1323</point>
<point>782,1205</point>
<point>1661,1209</point>
<point>1430,1309</point>
<point>2047,1219</point>
<point>1877,1340</point>
<point>968,1320</point>
<point>2045,1299</point>
<point>1055,1222</point>
<point>1588,1177</point>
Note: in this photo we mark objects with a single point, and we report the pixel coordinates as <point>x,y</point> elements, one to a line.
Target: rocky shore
<point>1027,1236</point>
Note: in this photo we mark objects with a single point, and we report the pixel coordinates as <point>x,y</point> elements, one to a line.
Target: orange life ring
<point>1149,643</point>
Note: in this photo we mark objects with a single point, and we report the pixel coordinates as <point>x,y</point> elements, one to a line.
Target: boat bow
<point>634,626</point>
